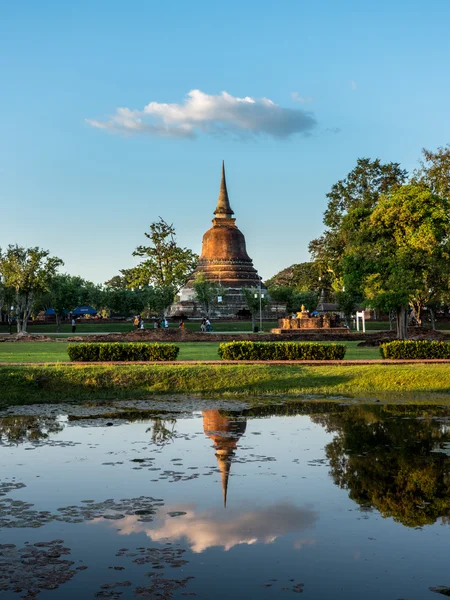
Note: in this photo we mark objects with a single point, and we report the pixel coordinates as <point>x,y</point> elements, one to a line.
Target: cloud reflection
<point>206,529</point>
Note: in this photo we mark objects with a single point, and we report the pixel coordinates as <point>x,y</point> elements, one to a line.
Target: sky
<point>113,114</point>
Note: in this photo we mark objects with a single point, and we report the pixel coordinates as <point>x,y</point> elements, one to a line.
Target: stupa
<point>225,433</point>
<point>223,260</point>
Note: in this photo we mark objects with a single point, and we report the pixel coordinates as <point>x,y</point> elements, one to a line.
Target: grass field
<point>98,383</point>
<point>33,352</point>
<point>218,326</point>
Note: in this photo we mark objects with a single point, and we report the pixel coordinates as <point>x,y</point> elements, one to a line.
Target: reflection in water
<point>206,529</point>
<point>225,433</point>
<point>390,461</point>
<point>27,428</point>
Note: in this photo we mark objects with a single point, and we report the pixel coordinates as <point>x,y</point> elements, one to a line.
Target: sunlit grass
<point>55,383</point>
<point>57,352</point>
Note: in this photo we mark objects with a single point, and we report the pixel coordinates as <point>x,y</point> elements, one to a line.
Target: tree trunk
<point>402,323</point>
<point>433,319</point>
<point>253,321</point>
<point>57,322</point>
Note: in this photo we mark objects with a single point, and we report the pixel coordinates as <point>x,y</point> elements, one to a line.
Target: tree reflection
<point>162,430</point>
<point>388,461</point>
<point>17,429</point>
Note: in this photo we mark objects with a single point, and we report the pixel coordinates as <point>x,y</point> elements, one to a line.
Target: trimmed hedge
<point>122,351</point>
<point>411,349</point>
<point>281,351</point>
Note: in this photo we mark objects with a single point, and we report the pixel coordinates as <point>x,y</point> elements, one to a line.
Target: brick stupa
<point>225,433</point>
<point>224,260</point>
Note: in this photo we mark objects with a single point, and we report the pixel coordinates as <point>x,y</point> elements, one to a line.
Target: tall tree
<point>166,266</point>
<point>304,277</point>
<point>28,271</point>
<point>63,295</point>
<point>350,203</point>
<point>434,171</point>
<point>404,244</point>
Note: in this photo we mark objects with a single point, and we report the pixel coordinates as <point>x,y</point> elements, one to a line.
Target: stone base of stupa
<point>233,305</point>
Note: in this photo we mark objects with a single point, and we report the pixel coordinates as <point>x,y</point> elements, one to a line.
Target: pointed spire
<point>223,209</point>
<point>224,461</point>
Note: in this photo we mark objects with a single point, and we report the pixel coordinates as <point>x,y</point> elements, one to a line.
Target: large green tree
<point>404,251</point>
<point>434,171</point>
<point>350,203</point>
<point>165,266</point>
<point>29,272</point>
<point>63,295</point>
<point>304,277</point>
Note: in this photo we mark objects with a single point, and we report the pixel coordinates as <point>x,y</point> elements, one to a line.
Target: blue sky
<point>347,79</point>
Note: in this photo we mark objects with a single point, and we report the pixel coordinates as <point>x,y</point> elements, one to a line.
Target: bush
<point>281,351</point>
<point>119,351</point>
<point>411,349</point>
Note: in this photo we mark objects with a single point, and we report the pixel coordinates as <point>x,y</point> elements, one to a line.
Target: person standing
<point>166,323</point>
<point>142,327</point>
<point>74,325</point>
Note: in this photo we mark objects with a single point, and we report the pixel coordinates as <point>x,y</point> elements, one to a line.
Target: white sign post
<point>360,315</point>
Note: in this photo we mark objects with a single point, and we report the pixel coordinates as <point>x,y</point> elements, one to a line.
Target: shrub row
<point>281,351</point>
<point>122,351</point>
<point>415,349</point>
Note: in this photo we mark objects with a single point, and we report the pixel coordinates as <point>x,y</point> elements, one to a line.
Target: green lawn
<point>26,384</point>
<point>55,352</point>
<point>99,327</point>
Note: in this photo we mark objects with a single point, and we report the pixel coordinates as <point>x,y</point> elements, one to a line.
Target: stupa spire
<point>224,461</point>
<point>223,208</point>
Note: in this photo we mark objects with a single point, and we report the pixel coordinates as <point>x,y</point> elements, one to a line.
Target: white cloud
<point>302,99</point>
<point>211,114</point>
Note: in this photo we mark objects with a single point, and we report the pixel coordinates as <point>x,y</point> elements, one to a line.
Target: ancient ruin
<point>224,261</point>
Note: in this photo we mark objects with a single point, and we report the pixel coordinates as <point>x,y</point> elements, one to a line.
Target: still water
<point>331,501</point>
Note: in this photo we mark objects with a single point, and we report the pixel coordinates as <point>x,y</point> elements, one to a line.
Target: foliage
<point>419,349</point>
<point>280,351</point>
<point>165,263</point>
<point>301,277</point>
<point>27,271</point>
<point>350,203</point>
<point>294,298</point>
<point>118,351</point>
<point>206,293</point>
<point>63,295</point>
<point>407,249</point>
<point>164,270</point>
<point>434,171</point>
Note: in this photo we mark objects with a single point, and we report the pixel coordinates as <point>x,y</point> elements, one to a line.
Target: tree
<point>166,266</point>
<point>28,271</point>
<point>63,295</point>
<point>434,171</point>
<point>405,243</point>
<point>350,203</point>
<point>206,293</point>
<point>305,277</point>
<point>293,298</point>
<point>254,301</point>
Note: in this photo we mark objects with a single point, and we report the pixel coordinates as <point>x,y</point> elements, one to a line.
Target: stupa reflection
<point>225,433</point>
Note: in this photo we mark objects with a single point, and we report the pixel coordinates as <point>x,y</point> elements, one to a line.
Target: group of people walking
<point>139,323</point>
